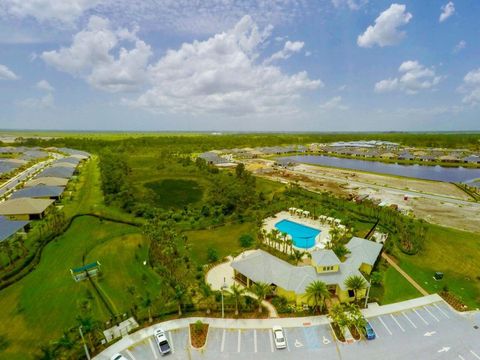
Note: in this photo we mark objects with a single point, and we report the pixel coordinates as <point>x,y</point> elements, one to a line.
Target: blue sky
<point>331,65</point>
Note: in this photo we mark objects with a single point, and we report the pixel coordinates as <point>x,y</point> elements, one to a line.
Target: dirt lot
<point>436,202</point>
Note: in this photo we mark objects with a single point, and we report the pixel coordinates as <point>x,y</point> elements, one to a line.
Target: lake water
<point>438,173</point>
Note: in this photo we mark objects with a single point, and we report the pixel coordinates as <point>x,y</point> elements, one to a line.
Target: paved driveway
<point>432,331</point>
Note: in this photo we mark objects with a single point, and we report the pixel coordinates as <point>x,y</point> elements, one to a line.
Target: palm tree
<point>284,244</point>
<point>237,293</point>
<point>261,290</point>
<point>6,247</point>
<point>179,297</point>
<point>147,304</point>
<point>207,297</point>
<point>317,291</point>
<point>355,283</point>
<point>290,245</point>
<point>298,255</point>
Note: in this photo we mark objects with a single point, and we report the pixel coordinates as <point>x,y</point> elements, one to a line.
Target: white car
<point>279,337</point>
<point>118,357</point>
<point>162,342</point>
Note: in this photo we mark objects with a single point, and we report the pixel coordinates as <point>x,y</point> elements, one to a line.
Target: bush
<point>246,240</point>
<point>212,254</point>
<point>376,278</point>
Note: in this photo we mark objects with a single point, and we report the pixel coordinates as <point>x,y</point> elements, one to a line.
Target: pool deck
<point>320,240</point>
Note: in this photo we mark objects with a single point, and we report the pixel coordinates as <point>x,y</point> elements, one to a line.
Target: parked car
<point>162,341</point>
<point>369,332</point>
<point>118,357</point>
<point>279,337</point>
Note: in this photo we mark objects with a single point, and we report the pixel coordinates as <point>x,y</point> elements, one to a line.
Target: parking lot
<point>432,331</point>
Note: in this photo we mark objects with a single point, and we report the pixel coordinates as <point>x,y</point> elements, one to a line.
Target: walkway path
<point>404,274</point>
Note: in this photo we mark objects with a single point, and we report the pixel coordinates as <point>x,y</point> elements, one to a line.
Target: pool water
<point>302,236</point>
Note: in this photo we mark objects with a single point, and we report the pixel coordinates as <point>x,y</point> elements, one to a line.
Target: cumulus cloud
<point>6,73</point>
<point>221,75</point>
<point>66,11</point>
<point>351,4</point>
<point>335,103</point>
<point>97,55</point>
<point>447,11</point>
<point>460,46</point>
<point>385,31</point>
<point>44,85</point>
<point>44,102</point>
<point>414,77</point>
<point>471,87</point>
<point>290,48</point>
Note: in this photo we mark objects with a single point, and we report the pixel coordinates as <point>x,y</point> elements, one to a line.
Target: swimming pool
<point>302,236</point>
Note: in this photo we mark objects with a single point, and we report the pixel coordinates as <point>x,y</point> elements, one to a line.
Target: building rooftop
<point>23,206</point>
<point>47,181</point>
<point>40,191</point>
<point>59,171</point>
<point>325,257</point>
<point>10,227</point>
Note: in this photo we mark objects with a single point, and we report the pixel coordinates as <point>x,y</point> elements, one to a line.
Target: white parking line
<point>410,321</point>
<point>375,331</point>
<point>420,316</point>
<point>129,353</point>
<point>171,342</point>
<point>461,357</point>
<point>474,354</point>
<point>152,348</point>
<point>431,314</point>
<point>239,340</point>
<point>443,312</point>
<point>400,326</point>
<point>222,346</point>
<point>286,339</point>
<point>271,340</point>
<point>255,340</point>
<point>384,325</point>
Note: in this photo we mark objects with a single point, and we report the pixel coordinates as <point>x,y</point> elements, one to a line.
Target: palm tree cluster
<point>347,316</point>
<point>277,240</point>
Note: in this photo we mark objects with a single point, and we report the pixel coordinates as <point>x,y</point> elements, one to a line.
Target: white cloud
<point>44,85</point>
<point>471,87</point>
<point>351,4</point>
<point>447,11</point>
<point>290,48</point>
<point>335,103</point>
<point>221,75</point>
<point>6,73</point>
<point>385,32</point>
<point>414,77</point>
<point>65,11</point>
<point>92,56</point>
<point>460,46</point>
<point>45,102</point>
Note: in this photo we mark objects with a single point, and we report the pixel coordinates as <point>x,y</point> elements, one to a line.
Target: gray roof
<point>73,152</point>
<point>472,158</point>
<point>47,181</point>
<point>325,257</point>
<point>262,266</point>
<point>10,227</point>
<point>70,159</point>
<point>59,171</point>
<point>24,206</point>
<point>40,191</point>
<point>212,157</point>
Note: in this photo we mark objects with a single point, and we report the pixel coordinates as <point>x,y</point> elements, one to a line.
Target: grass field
<point>175,193</point>
<point>453,252</point>
<point>224,239</point>
<point>44,303</point>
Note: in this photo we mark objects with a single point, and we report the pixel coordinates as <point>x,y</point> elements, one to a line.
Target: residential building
<point>9,228</point>
<point>25,208</point>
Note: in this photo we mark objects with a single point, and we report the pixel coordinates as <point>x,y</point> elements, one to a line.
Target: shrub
<point>212,254</point>
<point>246,240</point>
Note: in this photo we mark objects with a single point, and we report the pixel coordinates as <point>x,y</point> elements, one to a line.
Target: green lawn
<point>453,252</point>
<point>44,303</point>
<point>175,193</point>
<point>224,239</point>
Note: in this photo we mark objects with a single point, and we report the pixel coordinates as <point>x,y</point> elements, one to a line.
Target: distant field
<point>175,193</point>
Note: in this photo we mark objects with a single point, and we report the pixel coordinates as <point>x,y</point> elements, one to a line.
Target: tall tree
<point>237,293</point>
<point>317,292</point>
<point>261,290</point>
<point>355,283</point>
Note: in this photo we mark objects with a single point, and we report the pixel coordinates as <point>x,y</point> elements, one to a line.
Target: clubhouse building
<point>291,281</point>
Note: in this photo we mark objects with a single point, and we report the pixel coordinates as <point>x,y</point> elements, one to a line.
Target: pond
<point>439,173</point>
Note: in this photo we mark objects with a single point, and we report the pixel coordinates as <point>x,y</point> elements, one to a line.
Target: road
<point>14,181</point>
<point>428,331</point>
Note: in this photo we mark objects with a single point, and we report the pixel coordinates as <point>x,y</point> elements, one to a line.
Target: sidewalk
<point>404,274</point>
<point>373,310</point>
